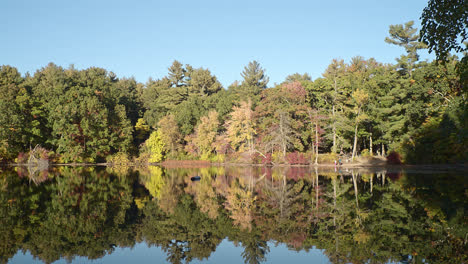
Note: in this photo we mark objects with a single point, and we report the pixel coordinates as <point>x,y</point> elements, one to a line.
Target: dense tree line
<point>416,108</point>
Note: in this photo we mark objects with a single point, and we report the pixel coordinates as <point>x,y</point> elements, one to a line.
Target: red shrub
<point>394,158</point>
<point>267,159</point>
<point>296,158</point>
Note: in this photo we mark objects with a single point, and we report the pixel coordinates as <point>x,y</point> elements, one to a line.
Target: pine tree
<point>405,36</point>
<point>254,81</point>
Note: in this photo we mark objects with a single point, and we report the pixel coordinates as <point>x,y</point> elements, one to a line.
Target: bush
<point>36,154</point>
<point>118,158</point>
<point>219,158</point>
<point>267,160</point>
<point>295,158</point>
<point>142,160</point>
<point>365,153</point>
<point>278,158</point>
<point>394,158</point>
<point>328,158</point>
<point>22,158</point>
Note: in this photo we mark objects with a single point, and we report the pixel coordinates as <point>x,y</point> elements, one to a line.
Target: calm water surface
<point>232,215</point>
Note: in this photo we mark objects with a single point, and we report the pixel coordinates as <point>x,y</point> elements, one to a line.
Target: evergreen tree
<point>202,83</point>
<point>13,137</point>
<point>406,37</point>
<point>254,81</point>
<point>335,73</point>
<point>176,74</point>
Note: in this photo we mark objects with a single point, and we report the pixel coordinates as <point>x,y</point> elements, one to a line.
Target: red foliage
<point>394,158</point>
<point>22,158</point>
<point>267,159</point>
<point>267,171</point>
<point>294,158</point>
<point>394,175</point>
<point>186,164</point>
<point>296,173</point>
<point>295,91</point>
<point>296,240</point>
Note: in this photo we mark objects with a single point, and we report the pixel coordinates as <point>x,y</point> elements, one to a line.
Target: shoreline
<point>203,164</point>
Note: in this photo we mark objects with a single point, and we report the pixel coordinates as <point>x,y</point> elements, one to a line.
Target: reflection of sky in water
<point>225,253</point>
<point>419,197</point>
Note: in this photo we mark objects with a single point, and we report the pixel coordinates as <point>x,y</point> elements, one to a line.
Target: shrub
<point>294,158</point>
<point>267,160</point>
<point>22,158</point>
<point>394,158</point>
<point>118,158</point>
<point>218,158</point>
<point>328,158</point>
<point>278,158</point>
<point>365,153</point>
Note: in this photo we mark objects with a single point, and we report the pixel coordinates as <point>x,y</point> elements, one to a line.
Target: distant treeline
<point>415,108</point>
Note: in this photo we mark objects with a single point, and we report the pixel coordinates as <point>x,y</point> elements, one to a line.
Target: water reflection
<point>353,216</point>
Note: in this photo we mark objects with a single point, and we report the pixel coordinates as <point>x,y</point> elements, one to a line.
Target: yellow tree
<point>155,147</point>
<point>170,133</point>
<point>240,127</point>
<point>360,98</point>
<point>240,203</point>
<point>205,133</point>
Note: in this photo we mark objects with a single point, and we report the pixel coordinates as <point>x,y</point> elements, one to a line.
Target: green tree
<point>159,98</point>
<point>12,120</point>
<point>188,114</point>
<point>254,75</point>
<point>444,24</point>
<point>254,81</point>
<point>201,82</point>
<point>177,74</point>
<point>297,77</point>
<point>335,73</point>
<point>406,37</point>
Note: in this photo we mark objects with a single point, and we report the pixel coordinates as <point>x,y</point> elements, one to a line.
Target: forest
<point>414,110</point>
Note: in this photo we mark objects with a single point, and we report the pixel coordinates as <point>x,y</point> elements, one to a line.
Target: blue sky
<point>141,38</point>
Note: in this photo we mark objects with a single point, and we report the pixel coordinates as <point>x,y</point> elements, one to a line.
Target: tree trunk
<point>316,189</point>
<point>355,142</point>
<point>370,145</point>
<point>316,141</point>
<point>334,201</point>
<point>313,149</point>
<point>334,119</point>
<point>383,150</point>
<point>334,129</point>
<point>355,188</point>
<point>356,196</point>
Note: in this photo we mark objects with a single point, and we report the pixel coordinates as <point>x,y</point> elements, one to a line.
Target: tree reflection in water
<point>355,216</point>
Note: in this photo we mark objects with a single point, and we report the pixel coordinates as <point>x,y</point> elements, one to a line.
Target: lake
<point>233,215</point>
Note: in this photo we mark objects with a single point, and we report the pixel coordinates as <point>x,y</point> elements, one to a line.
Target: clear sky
<point>141,38</point>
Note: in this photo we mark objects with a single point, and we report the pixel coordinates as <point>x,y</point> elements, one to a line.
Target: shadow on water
<point>351,215</point>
